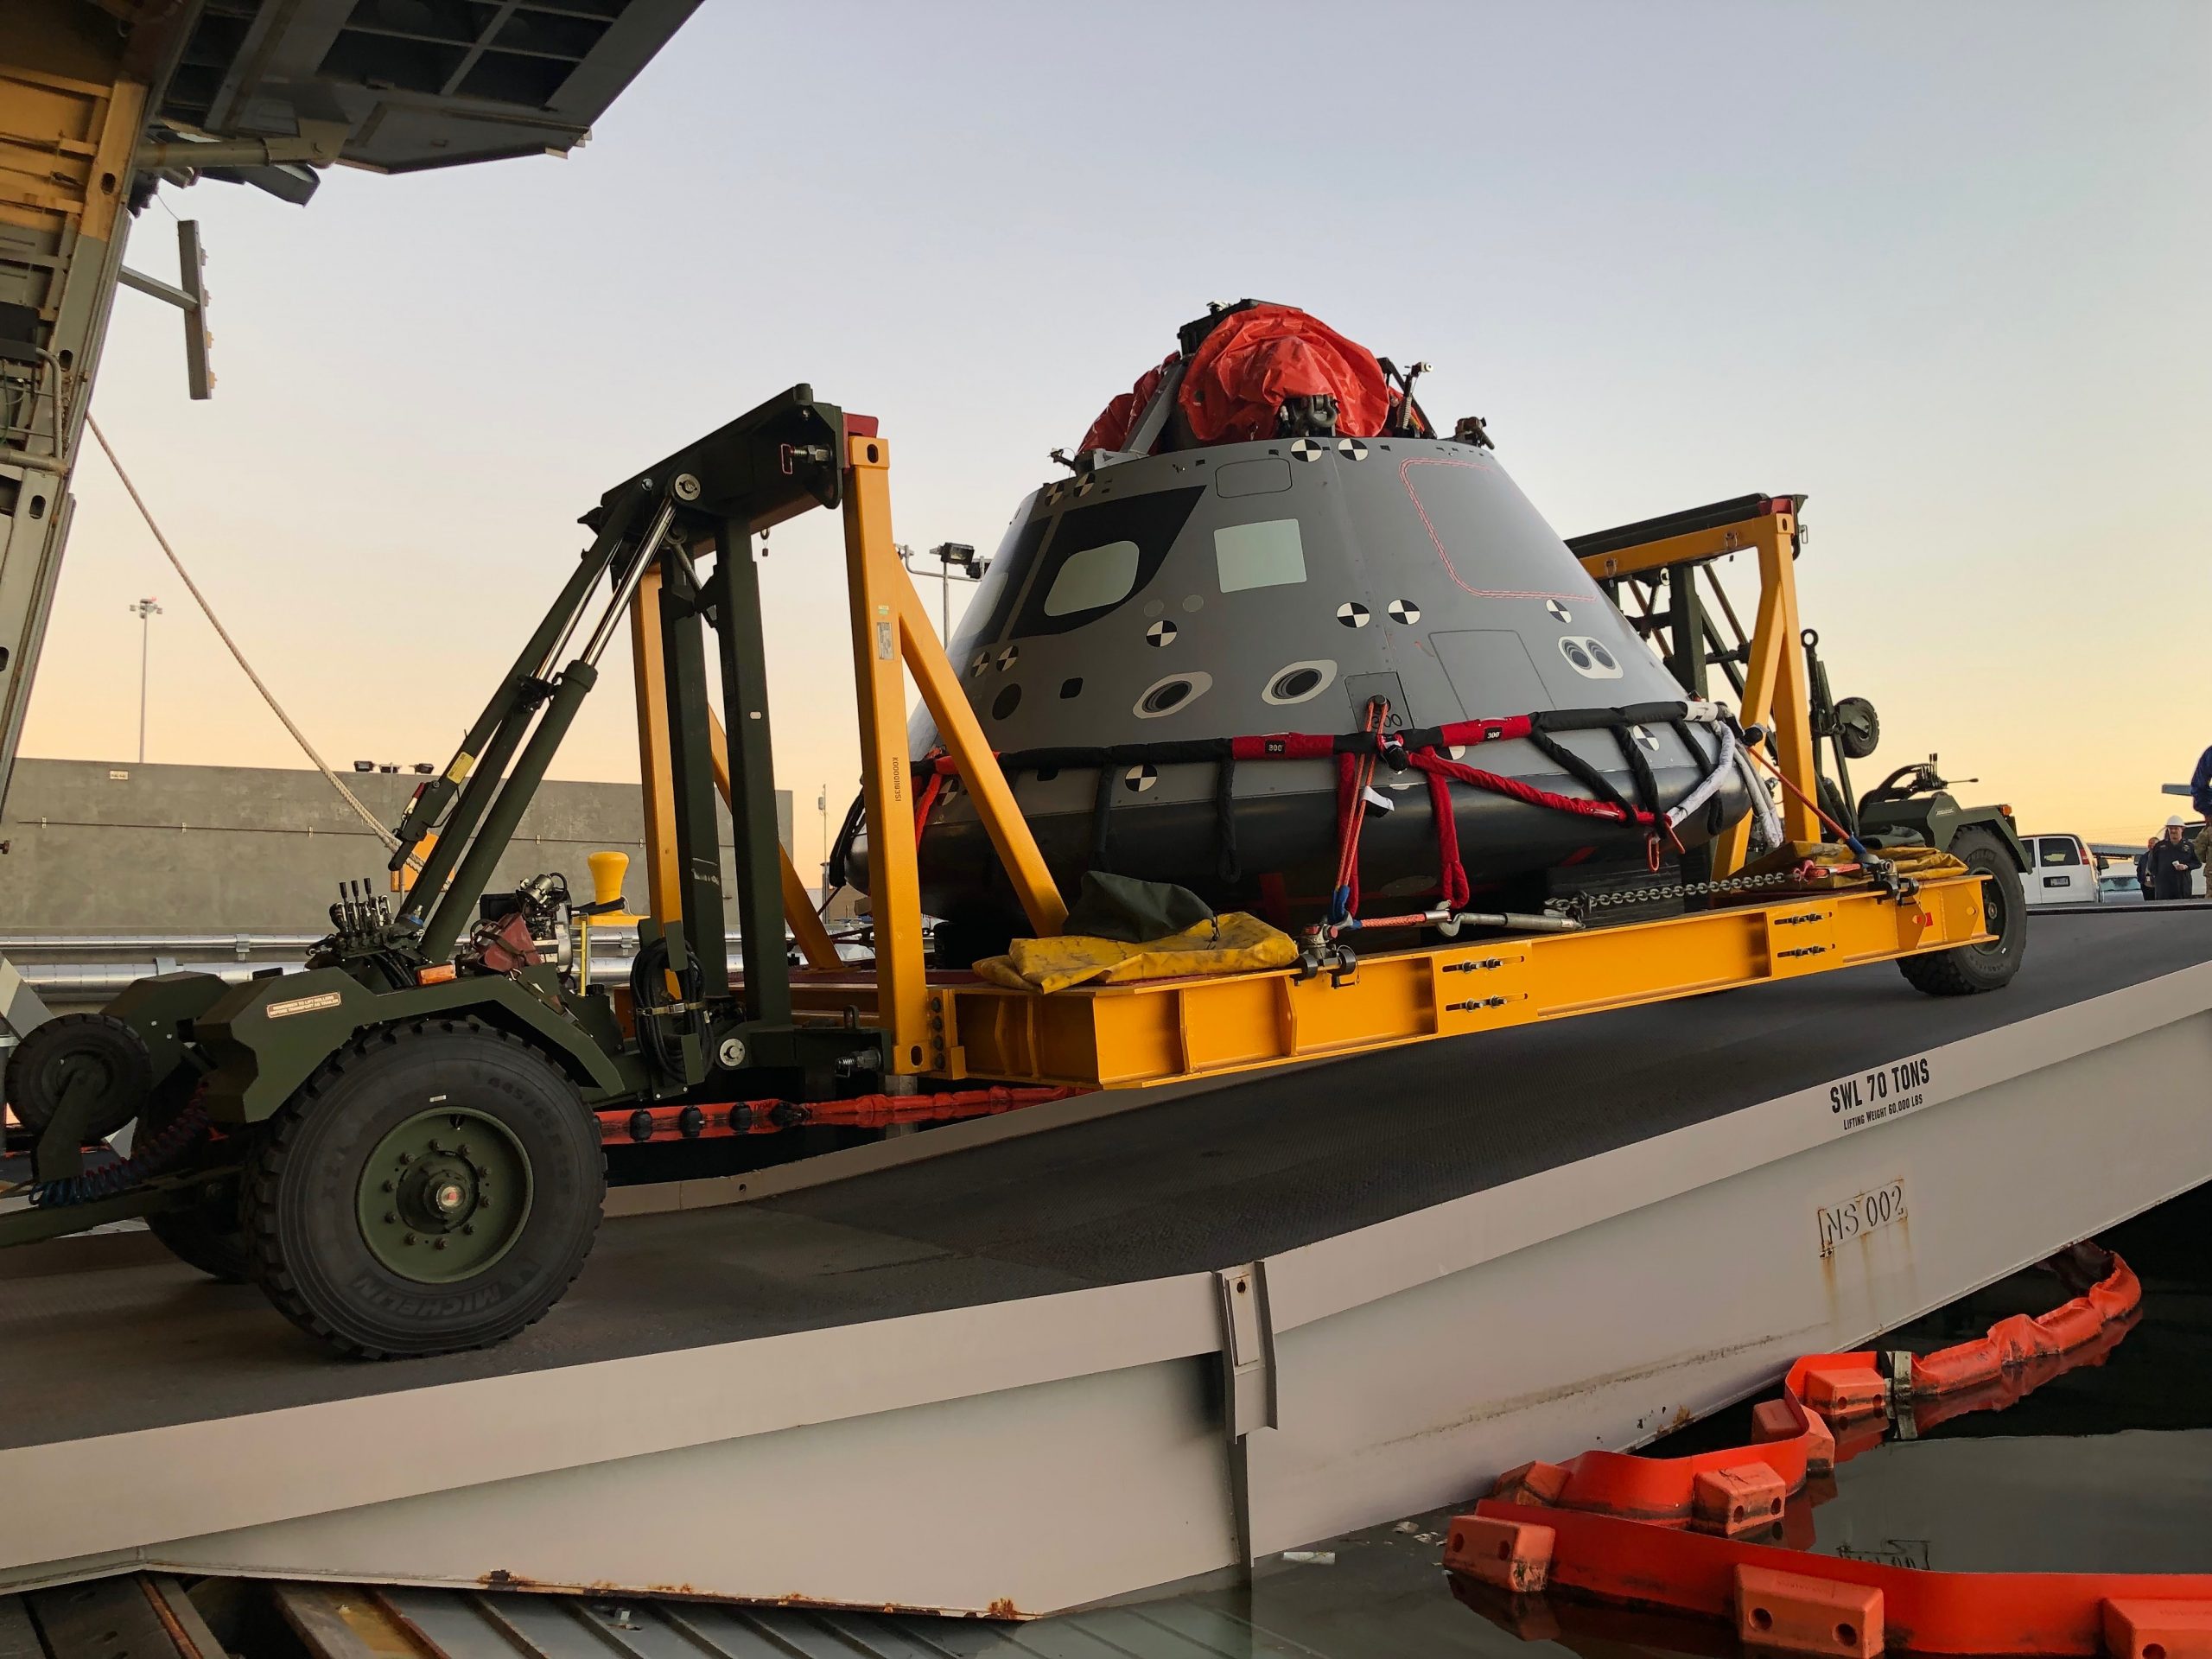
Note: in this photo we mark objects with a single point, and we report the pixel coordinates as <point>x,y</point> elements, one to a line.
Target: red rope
<point>927,798</point>
<point>1451,874</point>
<point>1429,761</point>
<point>1355,774</point>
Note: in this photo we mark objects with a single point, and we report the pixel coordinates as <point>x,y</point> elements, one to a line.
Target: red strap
<point>1283,746</point>
<point>925,800</point>
<point>1451,874</point>
<point>1487,731</point>
<point>1428,760</point>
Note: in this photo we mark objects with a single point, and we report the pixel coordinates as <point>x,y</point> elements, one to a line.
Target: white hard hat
<point>2174,823</point>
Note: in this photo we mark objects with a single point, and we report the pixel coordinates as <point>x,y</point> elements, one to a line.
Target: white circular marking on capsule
<point>1008,657</point>
<point>1161,632</point>
<point>1352,613</point>
<point>1139,779</point>
<point>1404,610</point>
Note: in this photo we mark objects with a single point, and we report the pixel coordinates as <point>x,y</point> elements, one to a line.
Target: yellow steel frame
<point>1776,692</point>
<point>892,635</point>
<point>1130,1036</point>
<point>1140,1034</point>
<point>892,638</point>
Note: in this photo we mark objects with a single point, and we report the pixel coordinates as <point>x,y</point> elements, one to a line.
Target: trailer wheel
<point>1971,969</point>
<point>113,1055</point>
<point>435,1186</point>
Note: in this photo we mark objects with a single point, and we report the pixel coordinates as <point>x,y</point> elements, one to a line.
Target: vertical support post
<point>70,119</point>
<point>814,941</point>
<point>734,594</point>
<point>698,836</point>
<point>1793,697</point>
<point>875,583</point>
<point>1247,1383</point>
<point>656,771</point>
<point>1685,629</point>
<point>1775,692</point>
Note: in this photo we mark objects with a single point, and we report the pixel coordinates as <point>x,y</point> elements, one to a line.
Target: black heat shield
<point>770,464</point>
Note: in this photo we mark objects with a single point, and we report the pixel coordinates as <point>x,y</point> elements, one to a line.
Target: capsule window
<point>1589,659</point>
<point>1300,682</point>
<point>1270,554</point>
<point>1096,578</point>
<point>1165,696</point>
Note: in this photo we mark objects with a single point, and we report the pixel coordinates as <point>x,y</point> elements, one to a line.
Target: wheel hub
<point>444,1195</point>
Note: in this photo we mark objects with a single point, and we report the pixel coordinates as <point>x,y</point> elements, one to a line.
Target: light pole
<point>950,556</point>
<point>821,806</point>
<point>145,610</point>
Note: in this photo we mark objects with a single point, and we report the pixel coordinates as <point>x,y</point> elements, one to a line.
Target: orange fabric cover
<point>1252,361</point>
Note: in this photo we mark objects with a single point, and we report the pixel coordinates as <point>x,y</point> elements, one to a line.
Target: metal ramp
<point>1065,1367</point>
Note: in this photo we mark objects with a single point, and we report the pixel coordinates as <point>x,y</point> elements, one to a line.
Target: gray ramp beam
<point>1033,1455</point>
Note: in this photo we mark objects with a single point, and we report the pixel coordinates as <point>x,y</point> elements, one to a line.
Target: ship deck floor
<point>106,1333</point>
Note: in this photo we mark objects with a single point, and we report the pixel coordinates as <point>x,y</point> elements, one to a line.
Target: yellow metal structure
<point>891,635</point>
<point>1776,694</point>
<point>955,1027</point>
<point>1127,1036</point>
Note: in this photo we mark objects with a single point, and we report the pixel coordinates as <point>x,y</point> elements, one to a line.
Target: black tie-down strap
<point>1109,759</point>
<point>1221,751</point>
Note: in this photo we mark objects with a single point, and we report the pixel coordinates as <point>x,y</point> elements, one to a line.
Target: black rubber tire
<point>309,1254</point>
<point>39,1065</point>
<point>206,1234</point>
<point>1971,970</point>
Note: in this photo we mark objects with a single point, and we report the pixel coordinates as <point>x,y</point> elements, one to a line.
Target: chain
<point>1682,890</point>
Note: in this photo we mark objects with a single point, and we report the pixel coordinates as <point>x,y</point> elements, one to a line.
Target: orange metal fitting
<point>2157,1630</point>
<point>1844,1390</point>
<point>1787,1613</point>
<point>1532,1483</point>
<point>1785,1419</point>
<point>1514,1555</point>
<point>1744,1498</point>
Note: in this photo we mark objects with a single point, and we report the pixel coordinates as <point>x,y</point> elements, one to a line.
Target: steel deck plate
<point>1209,1181</point>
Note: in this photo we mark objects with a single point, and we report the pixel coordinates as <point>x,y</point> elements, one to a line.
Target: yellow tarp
<point>1241,943</point>
<point>1923,862</point>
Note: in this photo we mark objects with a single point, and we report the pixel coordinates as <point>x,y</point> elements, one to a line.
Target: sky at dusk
<point>1944,270</point>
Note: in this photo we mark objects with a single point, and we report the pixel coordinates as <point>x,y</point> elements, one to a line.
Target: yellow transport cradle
<point>952,1028</point>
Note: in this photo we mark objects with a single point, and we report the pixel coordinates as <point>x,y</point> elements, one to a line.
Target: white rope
<point>391,840</point>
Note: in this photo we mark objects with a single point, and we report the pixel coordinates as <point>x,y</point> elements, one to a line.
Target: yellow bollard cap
<point>607,870</point>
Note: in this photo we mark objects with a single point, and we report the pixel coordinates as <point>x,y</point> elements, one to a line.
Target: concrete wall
<point>98,848</point>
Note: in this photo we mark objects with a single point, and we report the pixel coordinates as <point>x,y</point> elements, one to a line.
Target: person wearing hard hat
<point>2173,862</point>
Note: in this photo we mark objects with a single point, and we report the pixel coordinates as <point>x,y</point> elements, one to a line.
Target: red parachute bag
<point>1254,359</point>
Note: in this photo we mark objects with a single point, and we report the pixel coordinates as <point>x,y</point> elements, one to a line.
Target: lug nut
<point>409,1239</point>
<point>437,1243</point>
<point>405,1159</point>
<point>388,1187</point>
<point>389,1217</point>
<point>468,1227</point>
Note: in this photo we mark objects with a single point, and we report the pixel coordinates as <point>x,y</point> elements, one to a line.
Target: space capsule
<point>1268,596</point>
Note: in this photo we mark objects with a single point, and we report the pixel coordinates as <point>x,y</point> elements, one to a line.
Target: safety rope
<point>376,824</point>
<point>1355,777</point>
